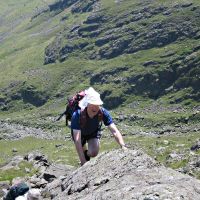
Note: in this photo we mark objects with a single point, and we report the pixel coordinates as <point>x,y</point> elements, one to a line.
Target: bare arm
<point>118,136</point>
<point>79,148</point>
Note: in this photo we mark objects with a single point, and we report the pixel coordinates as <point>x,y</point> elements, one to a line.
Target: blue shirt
<point>92,124</point>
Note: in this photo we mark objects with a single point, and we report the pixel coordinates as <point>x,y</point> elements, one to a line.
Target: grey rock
<point>96,18</point>
<point>41,183</point>
<point>58,145</point>
<point>57,170</point>
<point>185,5</point>
<point>128,175</point>
<point>37,157</point>
<point>4,185</point>
<point>84,6</point>
<point>150,63</point>
<point>48,177</point>
<point>14,150</point>
<point>52,189</point>
<point>14,131</point>
<point>34,180</point>
<point>196,146</point>
<point>61,5</point>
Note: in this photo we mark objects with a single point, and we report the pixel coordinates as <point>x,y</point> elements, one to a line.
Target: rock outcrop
<point>112,175</point>
<point>77,6</point>
<point>48,177</point>
<point>128,175</point>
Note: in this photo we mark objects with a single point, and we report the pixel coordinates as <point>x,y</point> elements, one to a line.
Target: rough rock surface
<point>112,175</point>
<point>48,177</point>
<point>128,175</point>
<point>14,131</point>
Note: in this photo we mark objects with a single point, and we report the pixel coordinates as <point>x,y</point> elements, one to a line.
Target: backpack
<point>17,190</point>
<point>72,106</point>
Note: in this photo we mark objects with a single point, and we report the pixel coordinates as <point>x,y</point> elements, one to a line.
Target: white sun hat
<point>91,97</point>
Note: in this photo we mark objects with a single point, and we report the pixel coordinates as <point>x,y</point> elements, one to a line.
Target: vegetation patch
<point>24,169</point>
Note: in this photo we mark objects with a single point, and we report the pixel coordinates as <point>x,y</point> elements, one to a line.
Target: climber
<point>86,126</point>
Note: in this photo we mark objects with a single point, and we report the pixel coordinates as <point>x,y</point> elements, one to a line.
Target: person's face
<point>93,109</point>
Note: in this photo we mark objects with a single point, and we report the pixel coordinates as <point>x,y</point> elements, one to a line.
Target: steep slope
<point>138,26</point>
<point>127,175</point>
<point>135,27</point>
<point>26,29</point>
<point>125,49</point>
<point>142,56</point>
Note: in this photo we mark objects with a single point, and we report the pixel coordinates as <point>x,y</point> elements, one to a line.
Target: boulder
<point>52,189</point>
<point>150,63</point>
<point>4,187</point>
<point>196,146</point>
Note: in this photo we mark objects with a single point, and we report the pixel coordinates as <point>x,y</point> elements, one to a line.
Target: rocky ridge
<point>113,175</point>
<point>128,175</point>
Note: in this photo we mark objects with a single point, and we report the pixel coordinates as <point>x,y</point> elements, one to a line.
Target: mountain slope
<point>142,56</point>
<point>172,30</point>
<point>50,49</point>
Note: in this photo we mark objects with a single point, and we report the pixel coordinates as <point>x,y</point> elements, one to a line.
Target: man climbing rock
<point>86,126</point>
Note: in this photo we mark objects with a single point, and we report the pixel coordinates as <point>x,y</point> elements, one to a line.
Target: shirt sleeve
<point>107,119</point>
<point>75,120</point>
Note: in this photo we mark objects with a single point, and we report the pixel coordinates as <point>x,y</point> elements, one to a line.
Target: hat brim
<point>98,103</point>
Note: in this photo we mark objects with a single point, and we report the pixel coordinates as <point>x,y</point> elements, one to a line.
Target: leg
<point>93,147</point>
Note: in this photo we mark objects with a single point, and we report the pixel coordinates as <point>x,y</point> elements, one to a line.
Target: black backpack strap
<point>83,117</point>
<point>100,118</point>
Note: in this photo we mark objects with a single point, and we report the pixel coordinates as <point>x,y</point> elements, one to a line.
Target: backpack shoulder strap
<point>83,117</point>
<point>100,115</point>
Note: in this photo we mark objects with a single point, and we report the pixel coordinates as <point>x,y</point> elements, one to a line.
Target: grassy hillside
<point>128,50</point>
<point>119,71</point>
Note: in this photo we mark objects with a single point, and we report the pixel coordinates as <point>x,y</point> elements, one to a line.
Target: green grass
<point>47,147</point>
<point>20,171</point>
<point>180,144</point>
<point>66,153</point>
